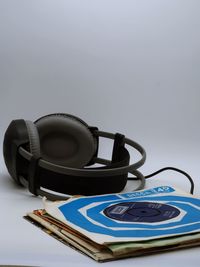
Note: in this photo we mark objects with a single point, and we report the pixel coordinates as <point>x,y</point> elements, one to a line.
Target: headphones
<point>56,153</point>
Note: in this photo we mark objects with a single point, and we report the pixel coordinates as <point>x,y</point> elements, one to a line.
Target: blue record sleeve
<point>142,215</point>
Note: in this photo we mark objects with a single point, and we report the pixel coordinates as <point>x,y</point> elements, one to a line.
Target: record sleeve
<point>150,214</point>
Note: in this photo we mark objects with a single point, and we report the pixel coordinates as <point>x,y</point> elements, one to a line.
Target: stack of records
<point>110,227</point>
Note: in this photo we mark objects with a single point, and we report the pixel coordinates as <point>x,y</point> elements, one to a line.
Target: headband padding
<point>65,141</point>
<point>79,185</point>
<point>34,140</point>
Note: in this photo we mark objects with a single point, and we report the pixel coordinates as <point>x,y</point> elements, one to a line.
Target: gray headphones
<point>57,153</point>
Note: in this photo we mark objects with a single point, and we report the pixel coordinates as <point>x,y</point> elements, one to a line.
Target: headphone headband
<point>92,172</point>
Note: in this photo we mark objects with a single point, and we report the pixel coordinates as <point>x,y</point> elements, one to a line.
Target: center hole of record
<point>140,212</point>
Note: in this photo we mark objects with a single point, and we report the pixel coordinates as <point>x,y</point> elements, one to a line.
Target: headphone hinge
<point>14,148</point>
<point>33,175</point>
<point>119,142</point>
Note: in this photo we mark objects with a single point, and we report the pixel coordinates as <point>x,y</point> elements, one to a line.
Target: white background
<point>124,66</point>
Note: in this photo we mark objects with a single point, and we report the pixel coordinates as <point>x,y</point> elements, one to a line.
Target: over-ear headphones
<point>57,153</point>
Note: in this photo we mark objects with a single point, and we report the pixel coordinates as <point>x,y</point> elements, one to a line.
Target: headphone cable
<point>172,169</point>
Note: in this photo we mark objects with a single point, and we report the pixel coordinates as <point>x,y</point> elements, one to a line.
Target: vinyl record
<point>148,212</point>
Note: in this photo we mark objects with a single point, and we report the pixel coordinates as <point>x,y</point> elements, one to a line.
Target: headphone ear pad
<point>15,136</point>
<point>65,140</point>
<point>34,140</point>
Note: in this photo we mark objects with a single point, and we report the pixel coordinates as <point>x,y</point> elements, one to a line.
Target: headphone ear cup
<point>34,140</point>
<point>65,140</point>
<point>16,135</point>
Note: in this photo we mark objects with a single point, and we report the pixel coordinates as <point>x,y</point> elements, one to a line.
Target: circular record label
<point>144,212</point>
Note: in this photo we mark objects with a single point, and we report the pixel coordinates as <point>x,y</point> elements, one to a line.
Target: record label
<point>146,212</point>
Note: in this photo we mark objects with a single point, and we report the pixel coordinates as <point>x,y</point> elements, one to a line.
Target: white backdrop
<point>124,66</point>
